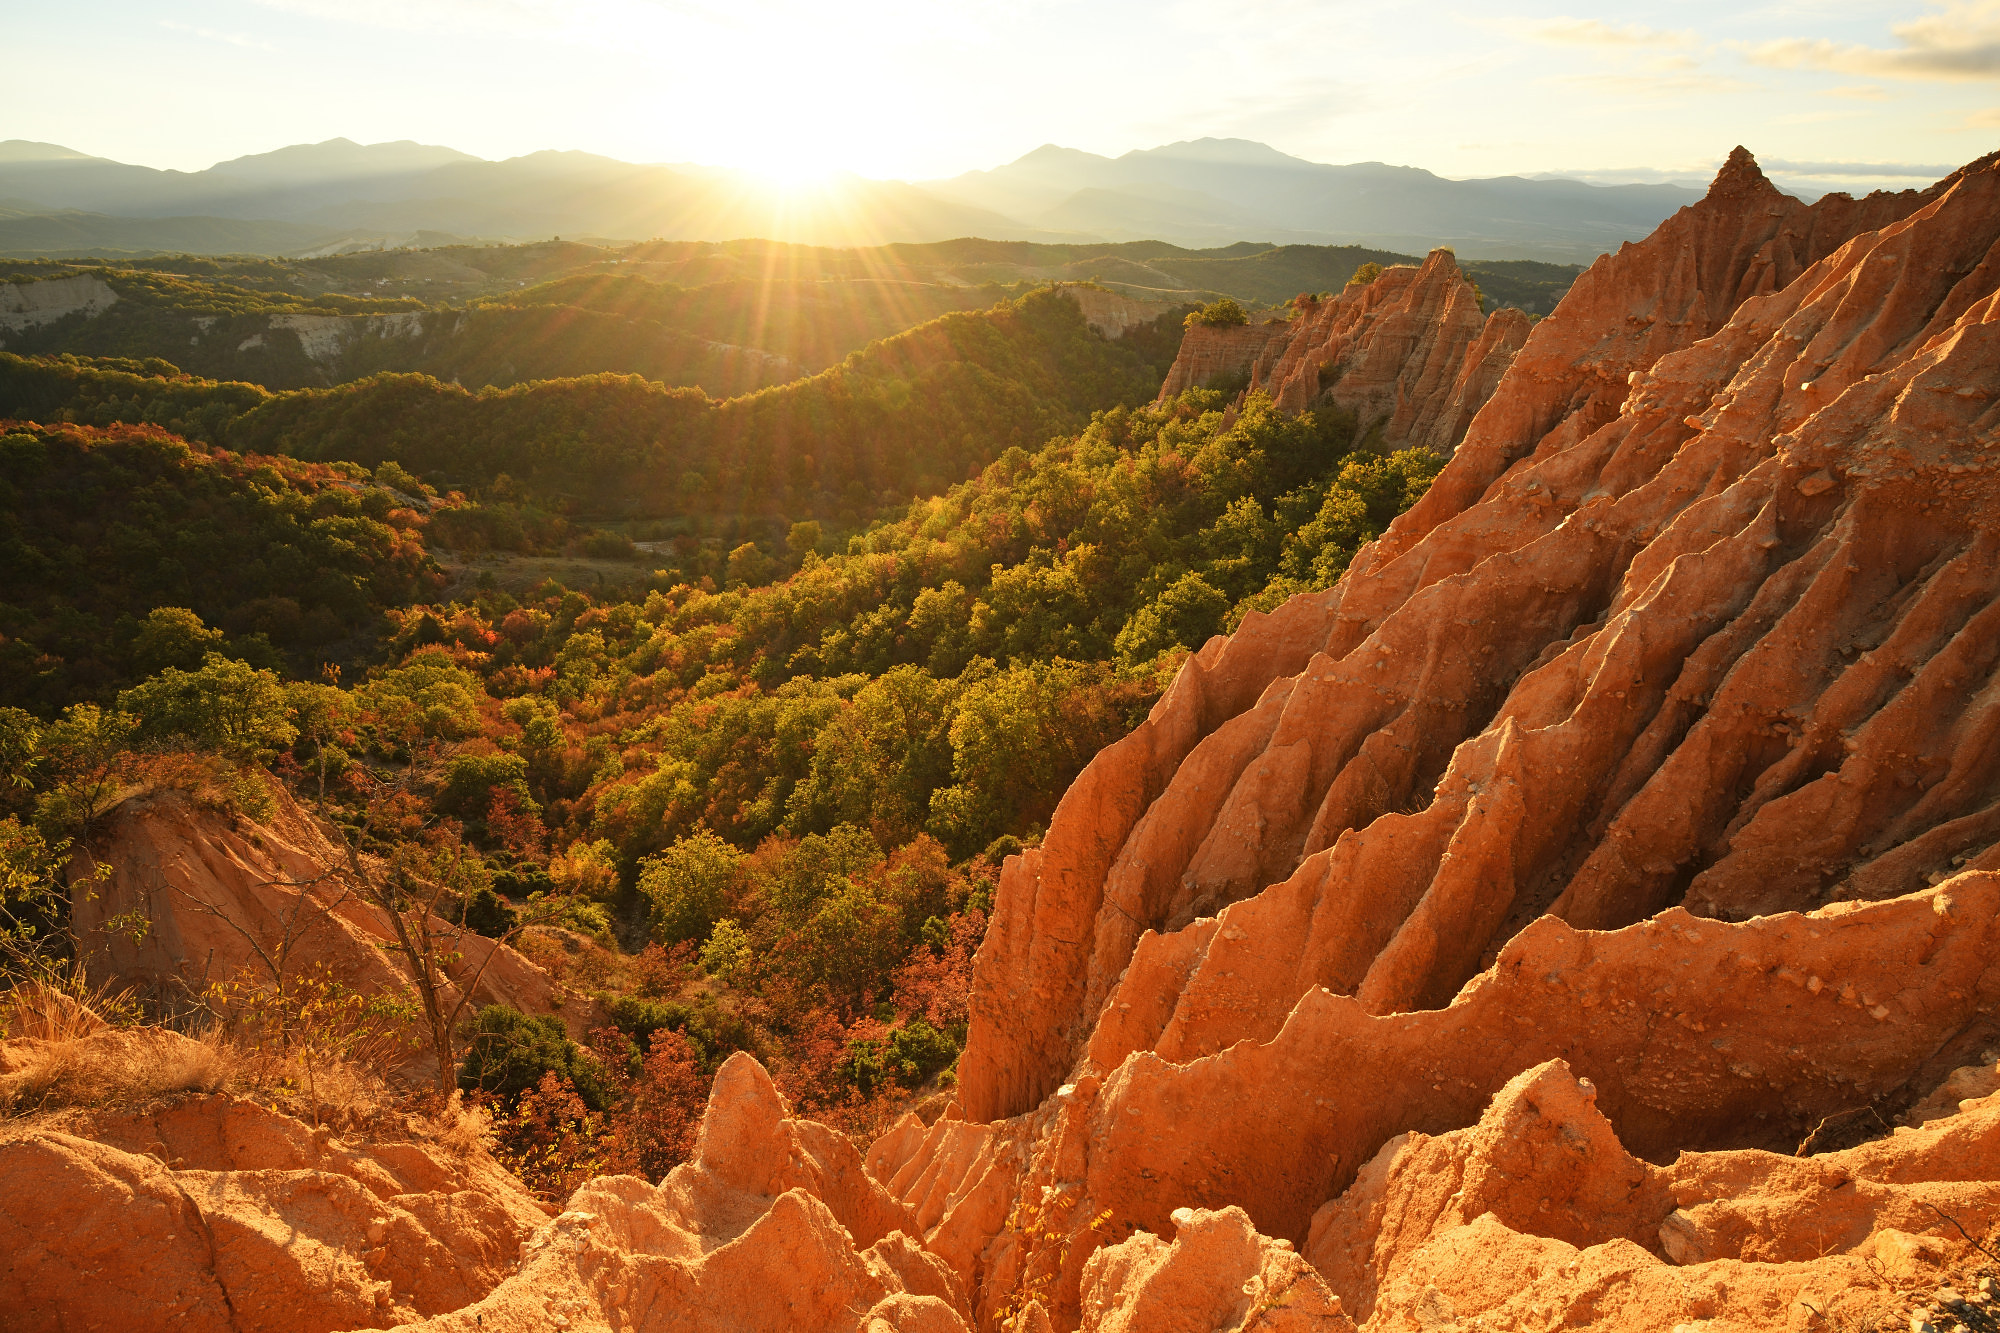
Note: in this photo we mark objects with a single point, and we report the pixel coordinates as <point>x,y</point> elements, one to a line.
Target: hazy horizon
<point>1829,95</point>
<point>1889,175</point>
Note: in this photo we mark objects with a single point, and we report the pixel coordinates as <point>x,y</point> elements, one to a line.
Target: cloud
<point>213,35</point>
<point>1858,170</point>
<point>1594,32</point>
<point>519,18</point>
<point>1961,42</point>
<point>1860,92</point>
<point>1632,84</point>
<point>1989,119</point>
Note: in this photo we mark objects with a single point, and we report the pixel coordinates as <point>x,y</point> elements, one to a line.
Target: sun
<point>794,173</point>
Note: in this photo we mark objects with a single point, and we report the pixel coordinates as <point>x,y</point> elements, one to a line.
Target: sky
<point>1835,93</point>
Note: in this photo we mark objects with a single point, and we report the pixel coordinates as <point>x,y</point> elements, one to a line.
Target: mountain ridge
<point>1198,193</point>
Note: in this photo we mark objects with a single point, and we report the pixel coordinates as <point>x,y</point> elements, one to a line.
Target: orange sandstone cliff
<point>215,1214</point>
<point>1409,354</point>
<point>1639,744</point>
<point>224,897</point>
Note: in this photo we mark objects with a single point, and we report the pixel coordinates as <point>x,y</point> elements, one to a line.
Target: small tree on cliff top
<point>1217,313</point>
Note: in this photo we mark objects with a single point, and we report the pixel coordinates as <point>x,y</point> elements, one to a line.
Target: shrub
<point>727,950</point>
<point>609,546</point>
<point>688,885</point>
<point>1185,615</point>
<point>908,1055</point>
<point>655,1129</point>
<point>550,1139</point>
<point>640,1019</point>
<point>470,781</point>
<point>227,705</point>
<point>173,636</point>
<point>429,695</point>
<point>1216,314</point>
<point>587,869</point>
<point>488,913</point>
<point>509,1052</point>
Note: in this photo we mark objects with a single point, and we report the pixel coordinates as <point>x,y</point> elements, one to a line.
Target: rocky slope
<point>215,1214</point>
<point>1113,313</point>
<point>24,305</point>
<point>1219,352</point>
<point>1636,745</point>
<point>196,896</point>
<point>774,1225</point>
<point>1409,354</point>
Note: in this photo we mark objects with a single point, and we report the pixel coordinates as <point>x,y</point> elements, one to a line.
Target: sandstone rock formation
<point>1409,354</point>
<point>223,897</point>
<point>1542,1193</point>
<point>1112,313</point>
<point>774,1225</point>
<point>24,305</point>
<point>1658,739</point>
<point>1217,1274</point>
<point>1211,352</point>
<point>216,1213</point>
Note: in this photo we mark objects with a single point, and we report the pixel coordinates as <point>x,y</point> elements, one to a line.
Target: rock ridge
<point>1659,739</point>
<point>1408,354</point>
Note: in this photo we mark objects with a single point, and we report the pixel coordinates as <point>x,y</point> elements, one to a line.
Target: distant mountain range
<point>340,195</point>
<point>1212,191</point>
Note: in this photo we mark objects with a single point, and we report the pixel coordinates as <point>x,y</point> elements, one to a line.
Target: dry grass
<point>113,1068</point>
<point>316,1052</point>
<point>50,1010</point>
<point>461,1129</point>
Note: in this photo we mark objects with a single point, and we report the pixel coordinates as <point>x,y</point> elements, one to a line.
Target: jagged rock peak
<point>1409,355</point>
<point>774,1226</point>
<point>1740,175</point>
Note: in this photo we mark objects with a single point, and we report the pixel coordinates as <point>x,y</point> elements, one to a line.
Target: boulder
<point>215,1212</point>
<point>775,1225</point>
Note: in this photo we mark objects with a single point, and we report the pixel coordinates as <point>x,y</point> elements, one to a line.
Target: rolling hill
<point>340,195</point>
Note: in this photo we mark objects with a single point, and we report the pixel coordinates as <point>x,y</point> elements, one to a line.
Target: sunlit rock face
<point>1659,739</point>
<point>775,1225</point>
<point>216,1214</point>
<point>1408,355</point>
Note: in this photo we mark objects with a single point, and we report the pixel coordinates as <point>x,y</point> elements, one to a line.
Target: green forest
<point>908,414</point>
<point>763,795</point>
<point>727,318</point>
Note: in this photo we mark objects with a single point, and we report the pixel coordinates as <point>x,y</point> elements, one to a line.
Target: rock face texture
<point>227,897</point>
<point>774,1225</point>
<point>218,1214</point>
<point>1218,1273</point>
<point>1211,352</point>
<point>1408,354</point>
<point>1112,313</point>
<point>1563,1227</point>
<point>23,305</point>
<point>1662,738</point>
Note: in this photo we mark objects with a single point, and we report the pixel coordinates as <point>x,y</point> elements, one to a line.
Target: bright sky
<point>919,88</point>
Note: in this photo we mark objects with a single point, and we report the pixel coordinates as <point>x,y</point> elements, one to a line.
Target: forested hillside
<point>909,415</point>
<point>725,318</point>
<point>295,561</point>
<point>792,775</point>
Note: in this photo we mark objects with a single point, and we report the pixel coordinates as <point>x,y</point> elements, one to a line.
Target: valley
<point>728,319</point>
<point>1009,785</point>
